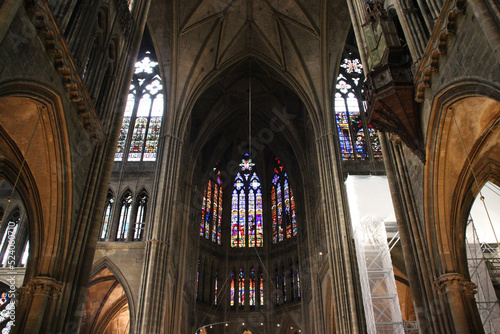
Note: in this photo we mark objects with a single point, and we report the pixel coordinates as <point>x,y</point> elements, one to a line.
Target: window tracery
<point>211,212</point>
<point>106,218</point>
<point>125,213</point>
<point>246,208</point>
<point>141,125</point>
<point>358,139</point>
<point>284,222</point>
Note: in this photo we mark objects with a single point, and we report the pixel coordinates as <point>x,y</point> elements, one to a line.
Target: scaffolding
<point>380,297</point>
<point>484,268</point>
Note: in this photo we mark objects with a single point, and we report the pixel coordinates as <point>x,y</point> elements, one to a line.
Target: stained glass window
<point>284,223</point>
<point>106,218</point>
<point>241,288</point>
<point>284,283</point>
<point>8,306</point>
<point>251,288</point>
<point>211,212</point>
<point>125,212</point>
<point>140,131</point>
<point>140,219</point>
<point>246,208</point>
<point>232,288</point>
<point>216,288</point>
<point>261,287</point>
<point>298,282</point>
<point>130,4</point>
<point>198,280</point>
<point>358,139</point>
<point>122,139</point>
<point>277,282</point>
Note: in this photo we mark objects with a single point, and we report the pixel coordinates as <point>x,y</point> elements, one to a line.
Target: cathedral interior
<point>249,166</point>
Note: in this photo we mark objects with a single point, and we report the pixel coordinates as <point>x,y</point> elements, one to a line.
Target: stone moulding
<point>446,26</point>
<point>124,16</point>
<point>58,52</point>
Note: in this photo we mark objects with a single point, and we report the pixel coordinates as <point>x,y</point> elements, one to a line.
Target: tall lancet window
<point>246,208</point>
<point>138,140</point>
<point>282,205</point>
<point>106,217</point>
<point>211,212</point>
<point>358,139</point>
<point>251,288</point>
<point>125,212</point>
<point>140,219</point>
<point>241,288</point>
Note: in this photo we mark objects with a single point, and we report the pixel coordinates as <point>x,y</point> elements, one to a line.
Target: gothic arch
<point>46,170</point>
<point>119,303</point>
<point>449,181</point>
<point>463,154</point>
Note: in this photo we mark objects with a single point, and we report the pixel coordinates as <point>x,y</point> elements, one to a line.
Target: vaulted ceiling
<point>197,41</point>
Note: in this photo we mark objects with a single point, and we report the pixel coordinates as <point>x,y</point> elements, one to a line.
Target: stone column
<point>456,290</point>
<point>34,301</point>
<point>154,309</point>
<point>341,257</point>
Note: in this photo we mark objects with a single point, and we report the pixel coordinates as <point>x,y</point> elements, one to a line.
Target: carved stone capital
<point>454,282</point>
<point>45,286</point>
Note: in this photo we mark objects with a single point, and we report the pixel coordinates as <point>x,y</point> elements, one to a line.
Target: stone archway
<point>463,153</point>
<point>34,150</point>
<point>106,307</point>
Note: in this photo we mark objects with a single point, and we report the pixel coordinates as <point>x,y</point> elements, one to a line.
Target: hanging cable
<point>250,109</point>
<point>481,197</point>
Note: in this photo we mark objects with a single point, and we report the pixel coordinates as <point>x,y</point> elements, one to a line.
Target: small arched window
<point>140,219</point>
<point>241,288</point>
<point>246,208</point>
<point>125,213</point>
<point>358,139</point>
<point>232,288</point>
<point>106,217</point>
<point>8,243</point>
<point>211,213</point>
<point>138,140</point>
<point>251,288</point>
<point>282,206</point>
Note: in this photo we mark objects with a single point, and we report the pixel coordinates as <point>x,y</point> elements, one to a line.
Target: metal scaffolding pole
<point>484,266</point>
<point>380,297</point>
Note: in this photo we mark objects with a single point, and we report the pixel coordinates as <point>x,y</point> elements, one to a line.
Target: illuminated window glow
<point>358,139</point>
<point>211,212</point>
<point>284,223</point>
<point>142,119</point>
<point>246,208</point>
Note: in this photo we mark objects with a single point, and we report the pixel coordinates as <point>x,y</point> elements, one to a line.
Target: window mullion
<point>131,126</point>
<point>366,131</point>
<point>147,127</point>
<point>351,134</point>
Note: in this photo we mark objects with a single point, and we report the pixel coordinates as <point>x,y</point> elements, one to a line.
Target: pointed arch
<point>284,221</point>
<point>125,215</point>
<point>107,216</point>
<point>46,170</point>
<point>141,211</point>
<point>105,283</point>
